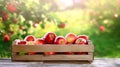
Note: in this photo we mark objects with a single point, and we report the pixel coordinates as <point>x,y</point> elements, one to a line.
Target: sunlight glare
<point>63,4</point>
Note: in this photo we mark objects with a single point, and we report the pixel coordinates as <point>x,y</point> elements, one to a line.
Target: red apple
<point>16,41</point>
<point>61,25</point>
<point>29,38</point>
<point>21,42</point>
<point>5,17</point>
<point>11,7</point>
<point>102,28</point>
<point>49,38</point>
<point>60,40</point>
<point>81,41</point>
<point>84,37</point>
<point>6,38</point>
<point>30,41</point>
<point>49,53</point>
<point>70,38</point>
<point>39,41</point>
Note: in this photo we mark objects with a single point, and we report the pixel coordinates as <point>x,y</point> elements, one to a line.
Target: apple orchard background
<point>98,19</point>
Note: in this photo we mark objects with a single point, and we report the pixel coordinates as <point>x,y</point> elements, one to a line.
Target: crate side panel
<point>53,57</point>
<point>53,48</point>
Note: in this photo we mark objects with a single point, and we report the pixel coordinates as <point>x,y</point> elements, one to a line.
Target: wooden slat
<point>69,62</point>
<point>52,57</point>
<point>53,48</point>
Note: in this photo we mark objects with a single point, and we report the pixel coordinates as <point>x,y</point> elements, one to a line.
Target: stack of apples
<point>52,39</point>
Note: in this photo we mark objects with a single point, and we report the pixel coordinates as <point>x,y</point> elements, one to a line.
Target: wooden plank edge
<point>53,48</point>
<point>53,57</point>
<point>56,61</point>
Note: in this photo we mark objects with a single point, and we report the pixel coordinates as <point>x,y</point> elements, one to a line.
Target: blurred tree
<point>105,13</point>
<point>19,13</point>
<point>18,17</point>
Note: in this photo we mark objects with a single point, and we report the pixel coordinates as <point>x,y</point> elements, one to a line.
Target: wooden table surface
<point>98,62</point>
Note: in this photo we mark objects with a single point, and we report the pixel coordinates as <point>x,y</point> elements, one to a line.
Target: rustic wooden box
<point>88,58</point>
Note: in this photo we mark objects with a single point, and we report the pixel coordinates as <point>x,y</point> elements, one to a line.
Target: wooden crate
<point>88,58</point>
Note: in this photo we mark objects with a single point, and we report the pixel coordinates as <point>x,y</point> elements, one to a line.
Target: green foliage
<point>19,18</point>
<point>105,13</point>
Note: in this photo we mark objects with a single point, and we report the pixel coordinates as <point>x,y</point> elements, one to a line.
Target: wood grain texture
<point>53,48</point>
<point>53,57</point>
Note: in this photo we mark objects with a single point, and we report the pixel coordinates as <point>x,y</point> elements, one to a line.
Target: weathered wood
<point>53,57</point>
<point>89,48</point>
<point>53,48</point>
